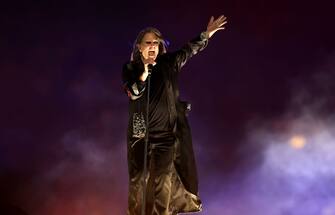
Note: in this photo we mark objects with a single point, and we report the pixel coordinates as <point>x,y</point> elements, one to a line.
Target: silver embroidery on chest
<point>138,125</point>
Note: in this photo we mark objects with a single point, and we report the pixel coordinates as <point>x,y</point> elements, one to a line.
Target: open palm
<point>215,25</point>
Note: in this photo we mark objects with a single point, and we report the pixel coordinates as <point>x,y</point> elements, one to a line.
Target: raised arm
<point>200,42</point>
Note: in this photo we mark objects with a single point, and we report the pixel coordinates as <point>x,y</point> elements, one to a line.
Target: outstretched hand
<point>215,25</point>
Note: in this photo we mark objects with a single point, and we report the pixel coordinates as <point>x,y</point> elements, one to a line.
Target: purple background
<point>266,78</point>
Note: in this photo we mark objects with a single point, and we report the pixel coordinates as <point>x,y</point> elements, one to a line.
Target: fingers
<point>211,20</point>
<point>221,24</point>
<point>149,61</point>
<point>221,18</point>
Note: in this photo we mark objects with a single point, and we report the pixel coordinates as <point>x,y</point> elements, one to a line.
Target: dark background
<point>269,76</point>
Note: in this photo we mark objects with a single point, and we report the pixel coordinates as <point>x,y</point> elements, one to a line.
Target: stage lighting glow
<point>297,142</point>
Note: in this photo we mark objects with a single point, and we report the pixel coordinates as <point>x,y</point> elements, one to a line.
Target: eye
<point>156,42</point>
<point>148,42</point>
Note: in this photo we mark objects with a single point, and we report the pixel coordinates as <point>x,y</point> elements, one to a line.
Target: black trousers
<point>160,163</point>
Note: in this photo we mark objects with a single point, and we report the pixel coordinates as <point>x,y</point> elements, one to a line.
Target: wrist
<point>204,35</point>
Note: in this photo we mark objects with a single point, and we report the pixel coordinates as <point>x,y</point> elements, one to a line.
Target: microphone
<point>150,67</point>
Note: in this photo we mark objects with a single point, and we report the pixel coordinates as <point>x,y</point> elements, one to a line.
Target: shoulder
<point>166,57</point>
<point>131,66</point>
<point>127,65</point>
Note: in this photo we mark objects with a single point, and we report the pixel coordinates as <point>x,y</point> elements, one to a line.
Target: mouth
<point>151,53</point>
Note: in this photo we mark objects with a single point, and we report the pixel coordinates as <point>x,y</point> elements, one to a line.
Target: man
<point>170,174</point>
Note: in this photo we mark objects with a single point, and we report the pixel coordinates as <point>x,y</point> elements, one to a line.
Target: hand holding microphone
<point>148,67</point>
<point>148,64</point>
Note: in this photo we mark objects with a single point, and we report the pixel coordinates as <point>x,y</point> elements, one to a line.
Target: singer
<point>170,172</point>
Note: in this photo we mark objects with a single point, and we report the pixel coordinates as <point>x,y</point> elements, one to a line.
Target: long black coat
<point>184,191</point>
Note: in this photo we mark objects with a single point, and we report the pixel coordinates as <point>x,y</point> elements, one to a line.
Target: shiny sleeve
<point>132,85</point>
<point>190,49</point>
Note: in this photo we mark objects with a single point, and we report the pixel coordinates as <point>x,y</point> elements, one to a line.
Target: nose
<point>152,45</point>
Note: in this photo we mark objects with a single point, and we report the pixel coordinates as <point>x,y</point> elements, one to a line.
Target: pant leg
<point>135,171</point>
<point>159,183</point>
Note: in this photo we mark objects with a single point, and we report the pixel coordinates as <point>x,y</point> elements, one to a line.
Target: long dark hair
<point>136,54</point>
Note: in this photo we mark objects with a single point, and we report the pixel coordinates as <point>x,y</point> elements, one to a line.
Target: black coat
<point>185,180</point>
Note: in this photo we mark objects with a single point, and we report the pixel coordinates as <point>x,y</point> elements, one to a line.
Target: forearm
<point>193,47</point>
<point>133,81</point>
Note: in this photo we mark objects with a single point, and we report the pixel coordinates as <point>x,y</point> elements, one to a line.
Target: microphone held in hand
<point>150,67</point>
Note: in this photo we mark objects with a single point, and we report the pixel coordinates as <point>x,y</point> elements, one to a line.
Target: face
<point>149,46</point>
